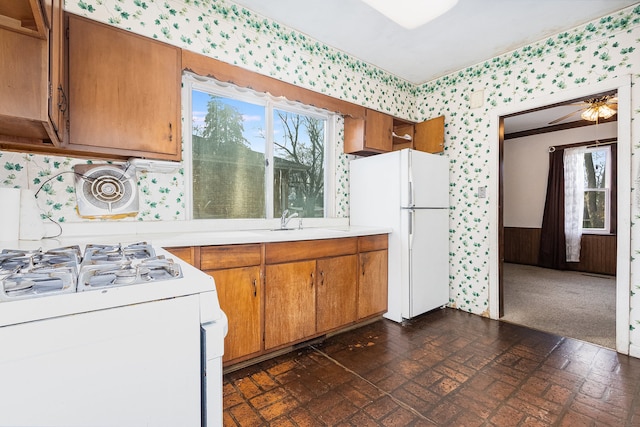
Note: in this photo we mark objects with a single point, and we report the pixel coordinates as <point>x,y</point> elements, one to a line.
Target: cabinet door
<point>368,135</point>
<point>23,92</point>
<point>336,292</point>
<point>26,71</point>
<point>372,283</point>
<point>239,294</point>
<point>429,135</point>
<point>290,303</point>
<point>378,131</point>
<point>57,96</point>
<point>124,92</point>
<point>24,17</point>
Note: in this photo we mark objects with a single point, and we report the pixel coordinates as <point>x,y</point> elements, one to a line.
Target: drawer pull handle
<point>255,288</point>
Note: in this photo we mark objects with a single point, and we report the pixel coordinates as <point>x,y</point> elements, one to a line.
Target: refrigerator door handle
<point>411,225</point>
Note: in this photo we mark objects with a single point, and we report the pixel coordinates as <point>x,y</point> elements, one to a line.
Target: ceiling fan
<point>593,109</point>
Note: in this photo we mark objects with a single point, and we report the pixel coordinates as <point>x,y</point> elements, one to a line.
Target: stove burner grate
<point>129,272</point>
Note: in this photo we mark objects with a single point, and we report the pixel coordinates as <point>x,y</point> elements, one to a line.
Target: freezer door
<point>428,180</point>
<point>428,260</point>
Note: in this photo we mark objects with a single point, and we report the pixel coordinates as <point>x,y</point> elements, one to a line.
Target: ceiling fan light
<point>600,111</point>
<point>606,112</point>
<point>590,114</point>
<point>411,14</point>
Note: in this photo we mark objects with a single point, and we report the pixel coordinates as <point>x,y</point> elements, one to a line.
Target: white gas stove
<point>128,333</point>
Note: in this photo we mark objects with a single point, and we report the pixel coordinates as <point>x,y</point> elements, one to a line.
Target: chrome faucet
<point>284,219</point>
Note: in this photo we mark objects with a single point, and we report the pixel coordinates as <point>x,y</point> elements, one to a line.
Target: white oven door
<point>137,365</point>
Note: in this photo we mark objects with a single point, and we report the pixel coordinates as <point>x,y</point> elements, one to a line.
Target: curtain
<point>552,252</point>
<point>573,201</point>
<point>553,243</point>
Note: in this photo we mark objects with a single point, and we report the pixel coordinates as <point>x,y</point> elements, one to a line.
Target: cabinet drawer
<point>185,253</point>
<point>230,256</point>
<point>309,249</point>
<point>373,243</point>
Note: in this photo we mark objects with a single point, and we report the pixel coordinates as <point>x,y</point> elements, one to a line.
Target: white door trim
<point>623,273</point>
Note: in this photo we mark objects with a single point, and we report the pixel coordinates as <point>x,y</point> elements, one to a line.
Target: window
<point>597,190</point>
<point>255,156</point>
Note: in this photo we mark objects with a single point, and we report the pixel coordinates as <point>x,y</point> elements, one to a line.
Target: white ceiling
<point>472,32</point>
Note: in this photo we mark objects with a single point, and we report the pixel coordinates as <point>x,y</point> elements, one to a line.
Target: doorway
<point>624,165</point>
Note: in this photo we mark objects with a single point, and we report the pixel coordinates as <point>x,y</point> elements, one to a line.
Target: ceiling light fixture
<point>598,110</point>
<point>411,14</point>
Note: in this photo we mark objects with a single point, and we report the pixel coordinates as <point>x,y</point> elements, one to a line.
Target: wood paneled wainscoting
<point>597,254</point>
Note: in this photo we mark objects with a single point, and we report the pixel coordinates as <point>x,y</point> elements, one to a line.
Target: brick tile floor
<point>445,368</point>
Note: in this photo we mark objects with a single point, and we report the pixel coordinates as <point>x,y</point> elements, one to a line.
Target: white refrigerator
<point>407,191</point>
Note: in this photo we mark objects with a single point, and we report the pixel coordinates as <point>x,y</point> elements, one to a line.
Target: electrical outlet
<point>482,192</point>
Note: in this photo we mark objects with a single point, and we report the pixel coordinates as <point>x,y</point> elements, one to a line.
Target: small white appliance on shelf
<point>407,190</point>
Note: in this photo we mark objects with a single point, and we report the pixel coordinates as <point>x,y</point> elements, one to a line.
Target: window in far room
<point>597,190</point>
<point>254,155</point>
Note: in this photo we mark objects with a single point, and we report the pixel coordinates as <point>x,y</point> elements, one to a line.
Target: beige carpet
<point>570,304</point>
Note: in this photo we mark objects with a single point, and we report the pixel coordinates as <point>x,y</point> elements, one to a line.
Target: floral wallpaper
<point>600,50</point>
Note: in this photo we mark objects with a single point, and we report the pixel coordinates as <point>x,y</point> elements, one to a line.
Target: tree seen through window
<point>231,159</point>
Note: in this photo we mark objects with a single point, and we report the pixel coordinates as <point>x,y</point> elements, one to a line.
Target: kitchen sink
<point>304,232</point>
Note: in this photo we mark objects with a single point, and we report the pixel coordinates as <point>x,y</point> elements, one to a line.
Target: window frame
<point>271,103</point>
<point>606,189</point>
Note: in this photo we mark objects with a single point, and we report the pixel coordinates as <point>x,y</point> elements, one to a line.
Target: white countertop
<point>190,233</point>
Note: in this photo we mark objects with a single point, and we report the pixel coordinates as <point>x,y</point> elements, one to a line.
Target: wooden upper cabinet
<point>124,92</point>
<point>426,136</point>
<point>403,134</point>
<point>380,133</point>
<point>57,96</point>
<point>368,135</point>
<point>30,117</point>
<point>429,135</point>
<point>25,17</point>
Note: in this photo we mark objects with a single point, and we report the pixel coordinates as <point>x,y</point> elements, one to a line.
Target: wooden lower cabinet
<point>336,292</point>
<point>185,253</point>
<point>279,294</point>
<point>373,275</point>
<point>308,298</point>
<point>372,289</point>
<point>290,303</point>
<point>239,293</point>
<point>237,271</point>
